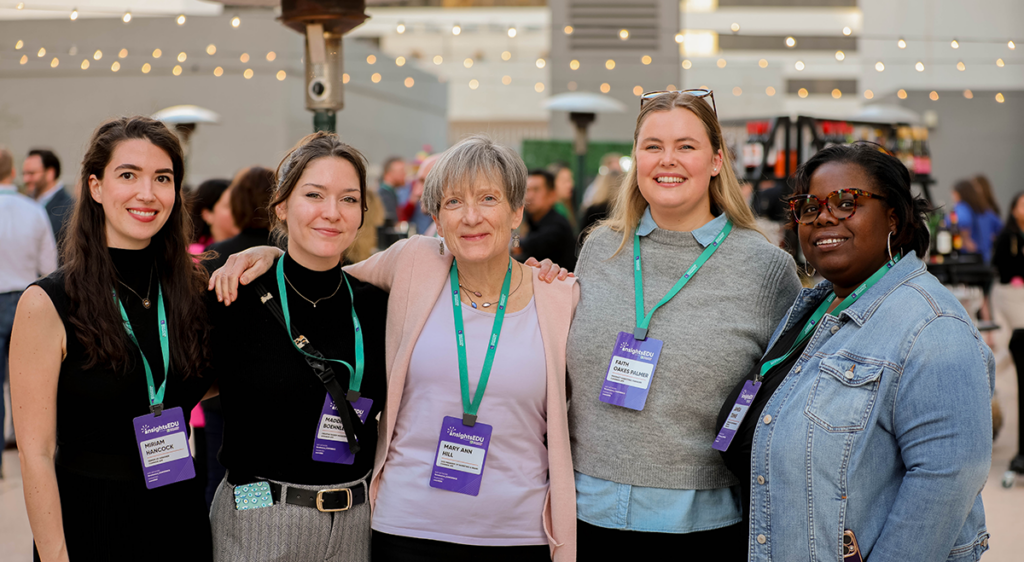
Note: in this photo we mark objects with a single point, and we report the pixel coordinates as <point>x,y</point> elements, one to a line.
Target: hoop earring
<point>888,244</point>
<point>515,239</point>
<point>808,269</point>
<point>440,246</point>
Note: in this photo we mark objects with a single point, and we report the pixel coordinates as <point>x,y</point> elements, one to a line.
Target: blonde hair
<point>724,189</point>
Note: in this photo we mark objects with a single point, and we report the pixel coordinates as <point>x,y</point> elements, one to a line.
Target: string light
<point>969,94</point>
<point>157,53</point>
<point>770,91</point>
<point>19,45</point>
<point>847,31</point>
<point>1000,98</point>
<point>146,68</point>
<point>438,59</point>
<point>181,19</point>
<point>568,30</point>
<point>456,29</point>
<point>840,56</point>
<point>218,72</point>
<point>400,28</point>
<point>735,28</point>
<point>762,63</point>
<point>574,64</point>
<point>511,32</point>
<point>879,66</point>
<point>85,64</point>
<point>272,56</point>
<point>74,15</point>
<point>1011,45</point>
<point>182,56</point>
<point>409,82</point>
<point>248,73</point>
<point>538,87</point>
<point>605,88</point>
<point>868,94</point>
<point>97,55</point>
<point>541,63</point>
<point>1000,63</point>
<point>836,93</point>
<point>20,6</point>
<point>737,91</point>
<point>623,34</point>
<point>345,78</point>
<point>901,93</point>
<point>127,17</point>
<point>375,78</point>
<point>24,59</point>
<point>369,59</point>
<point>176,70</point>
<point>468,63</point>
<point>73,51</point>
<point>54,62</point>
<point>799,65</point>
<point>236,21</point>
<point>802,92</point>
<point>790,42</point>
<point>934,96</point>
<point>115,67</point>
<point>123,54</point>
<point>42,52</point>
<point>281,75</point>
<point>687,64</point>
<point>638,90</point>
<point>506,80</point>
<point>919,66</point>
<point>901,43</point>
<point>400,61</point>
<point>961,66</point>
<point>646,59</point>
<point>680,37</point>
<point>955,44</point>
<point>609,64</point>
<point>474,84</point>
<point>721,63</point>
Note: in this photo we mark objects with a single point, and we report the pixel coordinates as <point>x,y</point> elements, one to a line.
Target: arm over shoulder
<point>381,268</point>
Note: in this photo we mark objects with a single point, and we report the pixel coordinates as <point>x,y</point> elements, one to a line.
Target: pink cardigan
<point>415,273</point>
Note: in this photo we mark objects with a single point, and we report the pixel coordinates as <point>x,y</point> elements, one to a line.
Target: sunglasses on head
<point>695,92</point>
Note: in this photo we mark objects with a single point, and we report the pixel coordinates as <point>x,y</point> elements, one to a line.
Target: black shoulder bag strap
<point>321,368</point>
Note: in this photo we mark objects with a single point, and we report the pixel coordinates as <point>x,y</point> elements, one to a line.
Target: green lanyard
<point>470,408</point>
<point>156,395</point>
<point>812,323</point>
<point>644,320</point>
<point>355,377</point>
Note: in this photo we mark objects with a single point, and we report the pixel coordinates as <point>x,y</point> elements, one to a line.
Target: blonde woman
<point>679,296</point>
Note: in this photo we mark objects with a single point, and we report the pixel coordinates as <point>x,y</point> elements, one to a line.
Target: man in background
<point>27,252</point>
<point>41,174</point>
<point>413,211</point>
<point>393,192</point>
<point>550,234</point>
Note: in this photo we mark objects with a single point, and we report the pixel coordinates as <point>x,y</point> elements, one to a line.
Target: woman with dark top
<point>101,394</point>
<point>1008,301</point>
<point>201,203</point>
<point>250,191</point>
<point>868,420</point>
<point>296,487</point>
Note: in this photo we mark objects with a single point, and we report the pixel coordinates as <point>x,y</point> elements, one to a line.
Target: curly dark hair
<point>89,271</point>
<point>891,179</point>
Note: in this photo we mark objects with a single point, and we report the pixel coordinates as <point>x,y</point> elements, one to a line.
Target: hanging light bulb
<point>901,43</point>
<point>181,19</point>
<point>127,17</point>
<point>400,28</point>
<point>512,32</point>
<point>74,14</point>
<point>19,45</point>
<point>840,56</point>
<point>456,29</point>
<point>847,31</point>
<point>1011,45</point>
<point>236,21</point>
<point>919,66</point>
<point>879,66</point>
<point>790,42</point>
<point>955,44</point>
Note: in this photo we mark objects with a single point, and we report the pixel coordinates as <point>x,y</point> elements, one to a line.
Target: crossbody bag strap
<point>321,368</point>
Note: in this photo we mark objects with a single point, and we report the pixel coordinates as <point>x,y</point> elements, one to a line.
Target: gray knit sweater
<point>714,331</point>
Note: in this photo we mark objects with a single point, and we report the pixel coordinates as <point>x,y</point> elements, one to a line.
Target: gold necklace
<point>145,301</point>
<point>479,295</point>
<point>342,278</point>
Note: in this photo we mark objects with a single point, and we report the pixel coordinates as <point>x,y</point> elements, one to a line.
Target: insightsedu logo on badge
<point>459,435</point>
<point>165,427</point>
<point>638,353</point>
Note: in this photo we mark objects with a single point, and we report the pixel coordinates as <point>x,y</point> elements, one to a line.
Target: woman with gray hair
<point>473,456</point>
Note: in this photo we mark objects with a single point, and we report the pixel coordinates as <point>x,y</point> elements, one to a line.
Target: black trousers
<point>394,548</point>
<point>597,544</point>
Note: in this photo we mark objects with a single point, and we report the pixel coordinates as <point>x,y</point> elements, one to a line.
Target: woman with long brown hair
<point>107,473</point>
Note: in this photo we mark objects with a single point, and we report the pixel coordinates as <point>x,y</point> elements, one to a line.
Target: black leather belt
<point>327,500</point>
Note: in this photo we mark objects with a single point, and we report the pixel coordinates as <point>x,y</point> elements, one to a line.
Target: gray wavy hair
<point>461,165</point>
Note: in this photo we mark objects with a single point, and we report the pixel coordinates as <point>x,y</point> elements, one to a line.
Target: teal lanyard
<point>470,408</point>
<point>812,323</point>
<point>644,320</point>
<point>355,377</point>
<point>156,395</point>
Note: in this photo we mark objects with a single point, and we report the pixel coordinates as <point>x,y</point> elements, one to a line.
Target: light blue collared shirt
<point>658,510</point>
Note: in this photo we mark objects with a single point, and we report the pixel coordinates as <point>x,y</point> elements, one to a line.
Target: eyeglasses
<point>695,92</point>
<point>842,204</point>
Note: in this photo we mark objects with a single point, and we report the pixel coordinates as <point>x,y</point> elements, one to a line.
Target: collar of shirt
<point>45,197</point>
<point>703,235</point>
<point>8,188</point>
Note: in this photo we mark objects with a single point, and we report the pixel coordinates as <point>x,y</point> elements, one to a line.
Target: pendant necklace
<point>477,294</point>
<point>145,301</point>
<point>312,302</point>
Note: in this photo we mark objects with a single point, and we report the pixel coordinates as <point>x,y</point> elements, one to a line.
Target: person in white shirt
<point>27,252</point>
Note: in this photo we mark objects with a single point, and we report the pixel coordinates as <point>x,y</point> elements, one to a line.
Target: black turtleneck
<point>95,406</point>
<point>271,398</point>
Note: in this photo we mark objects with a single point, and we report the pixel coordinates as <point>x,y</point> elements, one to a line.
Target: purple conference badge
<point>331,443</point>
<point>163,447</point>
<point>739,411</point>
<point>461,453</point>
<point>630,371</point>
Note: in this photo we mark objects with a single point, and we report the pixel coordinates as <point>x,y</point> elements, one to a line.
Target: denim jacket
<point>882,427</point>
